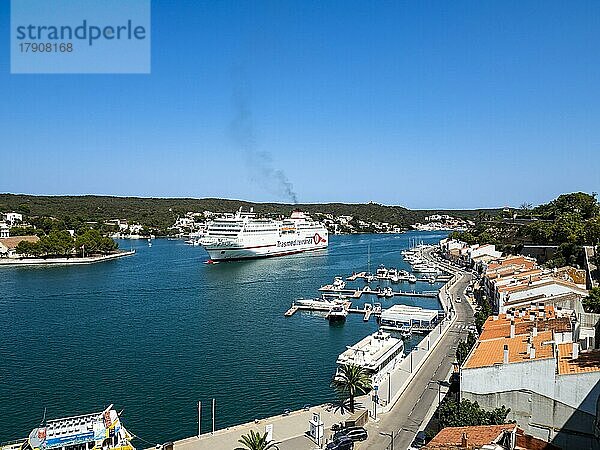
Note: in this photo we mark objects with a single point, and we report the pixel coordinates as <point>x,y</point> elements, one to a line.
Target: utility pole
<point>213,414</point>
<point>199,418</point>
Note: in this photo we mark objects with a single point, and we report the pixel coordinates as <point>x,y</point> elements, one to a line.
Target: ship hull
<point>266,251</point>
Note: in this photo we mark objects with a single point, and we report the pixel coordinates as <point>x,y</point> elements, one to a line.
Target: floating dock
<point>358,293</point>
<point>367,312</point>
<point>363,276</point>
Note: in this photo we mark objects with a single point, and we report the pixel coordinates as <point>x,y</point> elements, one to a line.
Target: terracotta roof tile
<point>493,329</point>
<point>490,352</point>
<point>586,362</point>
<point>451,437</point>
<point>12,242</point>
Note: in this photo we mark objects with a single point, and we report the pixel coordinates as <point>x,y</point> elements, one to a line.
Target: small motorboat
<point>338,284</point>
<point>369,277</point>
<point>337,313</point>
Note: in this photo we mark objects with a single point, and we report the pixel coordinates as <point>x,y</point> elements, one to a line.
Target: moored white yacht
<point>323,302</point>
<point>338,284</point>
<point>377,353</point>
<point>337,313</point>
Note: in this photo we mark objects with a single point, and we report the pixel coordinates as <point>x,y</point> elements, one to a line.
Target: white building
<point>186,222</point>
<point>4,230</point>
<point>12,218</point>
<point>477,252</point>
<point>135,229</point>
<point>8,245</point>
<point>438,217</point>
<point>406,317</point>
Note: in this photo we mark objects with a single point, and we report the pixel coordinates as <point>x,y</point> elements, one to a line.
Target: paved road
<point>407,415</point>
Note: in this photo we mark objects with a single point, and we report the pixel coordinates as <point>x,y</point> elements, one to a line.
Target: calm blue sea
<point>158,331</point>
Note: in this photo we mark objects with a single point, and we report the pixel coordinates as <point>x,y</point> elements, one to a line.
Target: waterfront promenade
<point>288,431</point>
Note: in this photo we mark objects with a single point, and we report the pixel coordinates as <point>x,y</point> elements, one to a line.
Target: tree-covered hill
<point>569,222</point>
<point>161,213</point>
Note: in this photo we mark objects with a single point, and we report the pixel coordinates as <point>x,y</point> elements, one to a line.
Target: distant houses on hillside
<point>443,222</point>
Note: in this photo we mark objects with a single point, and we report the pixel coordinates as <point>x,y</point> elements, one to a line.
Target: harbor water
<point>155,332</point>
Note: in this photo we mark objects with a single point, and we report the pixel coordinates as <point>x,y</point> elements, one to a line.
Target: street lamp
<point>440,383</point>
<point>391,436</point>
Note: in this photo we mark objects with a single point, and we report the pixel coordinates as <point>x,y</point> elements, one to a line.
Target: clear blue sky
<point>422,104</point>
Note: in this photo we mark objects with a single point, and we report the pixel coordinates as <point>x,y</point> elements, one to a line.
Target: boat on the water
<point>338,284</point>
<point>97,431</point>
<point>412,278</point>
<point>386,292</point>
<point>243,236</point>
<point>369,277</point>
<point>377,353</point>
<point>323,302</point>
<point>337,313</point>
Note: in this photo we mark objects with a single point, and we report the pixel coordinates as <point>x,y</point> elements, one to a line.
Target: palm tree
<point>351,380</point>
<point>255,441</point>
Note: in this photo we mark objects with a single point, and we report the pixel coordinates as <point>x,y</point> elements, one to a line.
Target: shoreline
<point>63,261</point>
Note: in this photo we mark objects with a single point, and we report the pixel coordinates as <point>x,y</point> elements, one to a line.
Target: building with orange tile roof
<point>514,281</point>
<point>494,437</point>
<point>9,244</point>
<point>530,361</point>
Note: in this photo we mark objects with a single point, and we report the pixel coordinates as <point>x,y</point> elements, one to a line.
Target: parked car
<point>340,443</point>
<point>354,433</point>
<point>418,442</point>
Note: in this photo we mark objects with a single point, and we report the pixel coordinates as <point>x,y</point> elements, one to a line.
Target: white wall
<point>538,376</point>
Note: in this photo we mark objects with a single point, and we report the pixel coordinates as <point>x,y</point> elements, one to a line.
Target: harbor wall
<point>62,261</point>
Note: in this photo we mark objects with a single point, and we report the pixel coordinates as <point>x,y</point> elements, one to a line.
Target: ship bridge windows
<point>259,230</point>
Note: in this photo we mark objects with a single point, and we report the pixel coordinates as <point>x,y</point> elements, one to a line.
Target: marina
<point>337,302</point>
<point>400,278</point>
<point>367,311</point>
<point>358,293</point>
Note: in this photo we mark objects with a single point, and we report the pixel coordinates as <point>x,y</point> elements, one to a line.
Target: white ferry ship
<point>378,354</point>
<point>243,235</point>
<point>97,431</point>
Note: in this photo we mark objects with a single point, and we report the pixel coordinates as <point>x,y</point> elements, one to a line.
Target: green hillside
<point>162,212</point>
